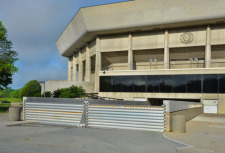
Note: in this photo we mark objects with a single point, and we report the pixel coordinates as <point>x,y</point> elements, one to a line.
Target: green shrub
<point>71,92</point>
<point>47,94</point>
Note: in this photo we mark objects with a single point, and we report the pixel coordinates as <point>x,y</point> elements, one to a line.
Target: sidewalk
<point>205,133</point>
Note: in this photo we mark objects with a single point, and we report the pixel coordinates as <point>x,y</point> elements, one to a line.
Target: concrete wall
<point>136,16</point>
<point>53,85</point>
<point>189,109</point>
<point>174,106</point>
<point>189,114</point>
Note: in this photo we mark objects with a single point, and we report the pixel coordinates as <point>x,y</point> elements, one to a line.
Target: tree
<point>31,89</point>
<point>47,94</point>
<point>15,94</point>
<point>8,57</point>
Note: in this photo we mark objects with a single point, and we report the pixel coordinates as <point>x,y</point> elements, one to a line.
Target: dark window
<point>166,83</point>
<point>153,83</point>
<point>221,83</point>
<point>116,83</point>
<point>180,83</point>
<point>210,83</point>
<point>128,82</point>
<point>105,84</point>
<point>139,83</point>
<point>193,83</point>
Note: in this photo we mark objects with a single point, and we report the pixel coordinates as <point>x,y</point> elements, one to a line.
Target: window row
<point>197,83</point>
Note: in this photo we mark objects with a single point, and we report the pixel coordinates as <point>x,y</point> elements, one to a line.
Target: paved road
<point>31,138</point>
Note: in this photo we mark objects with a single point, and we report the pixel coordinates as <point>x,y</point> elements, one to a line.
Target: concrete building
<point>149,50</point>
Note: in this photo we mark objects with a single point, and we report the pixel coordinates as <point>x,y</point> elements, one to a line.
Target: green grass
<point>5,106</point>
<point>11,99</point>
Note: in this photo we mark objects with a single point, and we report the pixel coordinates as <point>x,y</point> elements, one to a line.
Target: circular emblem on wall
<point>187,38</point>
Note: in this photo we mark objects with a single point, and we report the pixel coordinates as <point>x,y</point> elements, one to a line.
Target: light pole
<point>44,86</point>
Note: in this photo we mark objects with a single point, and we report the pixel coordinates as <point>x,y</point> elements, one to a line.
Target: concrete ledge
<point>189,114</point>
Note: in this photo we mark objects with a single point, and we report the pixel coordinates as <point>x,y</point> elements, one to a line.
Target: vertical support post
<point>80,77</point>
<point>88,63</point>
<point>130,53</point>
<point>208,48</point>
<point>74,67</point>
<point>166,50</point>
<point>69,69</point>
<point>98,63</point>
<point>84,118</point>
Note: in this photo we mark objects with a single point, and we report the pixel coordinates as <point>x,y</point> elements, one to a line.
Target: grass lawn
<point>11,99</point>
<point>5,106</point>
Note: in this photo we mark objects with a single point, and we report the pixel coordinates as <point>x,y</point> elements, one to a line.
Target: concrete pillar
<point>74,67</point>
<point>166,51</point>
<point>88,64</point>
<point>69,70</point>
<point>130,54</point>
<point>179,124</point>
<point>80,77</point>
<point>98,63</point>
<point>208,48</point>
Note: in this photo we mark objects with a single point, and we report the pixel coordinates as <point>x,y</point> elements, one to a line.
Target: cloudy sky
<point>33,27</point>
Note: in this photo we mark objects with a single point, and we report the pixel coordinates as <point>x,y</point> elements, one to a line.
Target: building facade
<point>149,50</point>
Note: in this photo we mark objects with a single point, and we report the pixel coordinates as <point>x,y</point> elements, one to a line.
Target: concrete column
<point>69,70</point>
<point>88,64</point>
<point>80,77</point>
<point>130,54</point>
<point>74,67</point>
<point>208,48</point>
<point>166,51</point>
<point>98,63</point>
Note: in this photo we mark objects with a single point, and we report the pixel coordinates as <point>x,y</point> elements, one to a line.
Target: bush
<point>71,92</point>
<point>47,94</point>
<point>31,89</point>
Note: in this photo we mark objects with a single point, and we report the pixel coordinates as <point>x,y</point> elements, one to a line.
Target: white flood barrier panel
<point>53,113</point>
<point>126,117</point>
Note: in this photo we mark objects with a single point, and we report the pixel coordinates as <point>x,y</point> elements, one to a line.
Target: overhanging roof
<point>136,15</point>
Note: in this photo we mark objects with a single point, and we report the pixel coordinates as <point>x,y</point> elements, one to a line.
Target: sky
<point>34,26</point>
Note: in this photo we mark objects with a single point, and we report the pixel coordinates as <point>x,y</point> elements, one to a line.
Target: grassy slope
<point>5,107</point>
<point>11,99</point>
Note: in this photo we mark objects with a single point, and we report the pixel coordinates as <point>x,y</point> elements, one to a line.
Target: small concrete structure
<point>176,108</point>
<point>179,124</point>
<point>15,113</point>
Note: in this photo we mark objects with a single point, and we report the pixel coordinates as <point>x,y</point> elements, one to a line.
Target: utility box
<point>210,106</point>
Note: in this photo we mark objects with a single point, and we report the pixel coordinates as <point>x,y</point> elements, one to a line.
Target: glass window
<point>105,84</point>
<point>139,83</point>
<point>210,83</point>
<point>221,83</point>
<point>127,83</point>
<point>153,83</point>
<point>166,83</point>
<point>117,82</point>
<point>180,83</point>
<point>193,83</point>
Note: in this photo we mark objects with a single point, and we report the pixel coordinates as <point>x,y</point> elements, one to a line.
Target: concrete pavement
<point>205,133</point>
<point>32,138</point>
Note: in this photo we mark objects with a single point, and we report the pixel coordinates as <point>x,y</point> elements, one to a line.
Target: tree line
<point>33,89</point>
